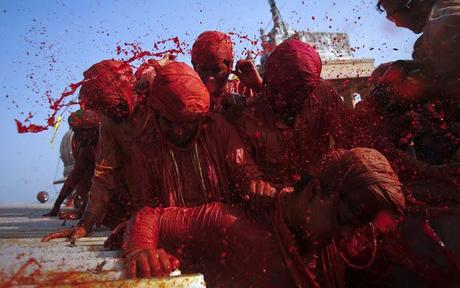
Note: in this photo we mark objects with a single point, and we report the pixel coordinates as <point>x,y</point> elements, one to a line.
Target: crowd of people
<point>269,180</point>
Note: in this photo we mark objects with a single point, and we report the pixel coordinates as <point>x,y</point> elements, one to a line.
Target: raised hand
<point>261,193</point>
<point>246,71</point>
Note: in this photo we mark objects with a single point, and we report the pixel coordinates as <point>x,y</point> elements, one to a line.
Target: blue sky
<point>46,45</point>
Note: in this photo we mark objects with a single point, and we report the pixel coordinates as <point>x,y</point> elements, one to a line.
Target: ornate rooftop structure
<point>339,63</point>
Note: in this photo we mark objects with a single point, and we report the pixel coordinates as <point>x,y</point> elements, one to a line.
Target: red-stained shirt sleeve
<point>337,119</point>
<point>240,164</point>
<point>104,179</point>
<point>143,230</point>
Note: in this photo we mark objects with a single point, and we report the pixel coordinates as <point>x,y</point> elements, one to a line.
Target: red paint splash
<point>265,47</point>
<point>136,52</point>
<point>133,50</point>
<point>54,105</point>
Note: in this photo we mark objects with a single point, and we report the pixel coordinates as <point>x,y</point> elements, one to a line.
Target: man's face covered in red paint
<point>212,59</point>
<point>108,89</point>
<point>292,72</point>
<point>85,124</point>
<point>180,100</point>
<point>179,133</point>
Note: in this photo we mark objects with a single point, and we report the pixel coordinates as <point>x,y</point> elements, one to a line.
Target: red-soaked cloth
<point>232,248</point>
<point>212,46</point>
<point>293,67</point>
<point>107,83</point>
<point>213,166</point>
<point>179,100</point>
<point>363,175</point>
<point>281,151</point>
<point>115,173</point>
<point>84,119</point>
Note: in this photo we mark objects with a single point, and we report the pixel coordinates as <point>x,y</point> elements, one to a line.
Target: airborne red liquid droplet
<point>55,106</point>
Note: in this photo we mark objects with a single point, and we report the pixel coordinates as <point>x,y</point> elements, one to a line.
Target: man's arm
<point>103,183</point>
<point>82,164</point>
<point>244,175</point>
<point>104,180</point>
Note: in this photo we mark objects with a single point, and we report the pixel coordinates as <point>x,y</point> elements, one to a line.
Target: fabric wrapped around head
<point>293,66</point>
<point>103,85</point>
<point>364,181</point>
<point>213,47</point>
<point>84,119</point>
<point>179,94</point>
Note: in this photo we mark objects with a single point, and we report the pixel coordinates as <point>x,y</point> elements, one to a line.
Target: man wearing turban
<point>108,88</point>
<point>436,55</point>
<point>298,118</point>
<point>85,125</point>
<point>212,58</point>
<point>352,188</point>
<point>188,156</point>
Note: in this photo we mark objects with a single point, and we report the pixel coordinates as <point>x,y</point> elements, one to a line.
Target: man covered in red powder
<point>188,157</point>
<point>435,54</point>
<point>108,88</point>
<point>212,58</point>
<point>298,119</point>
<point>301,116</point>
<point>297,246</point>
<point>85,125</point>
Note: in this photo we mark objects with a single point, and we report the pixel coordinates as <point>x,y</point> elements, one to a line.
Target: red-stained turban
<point>212,47</point>
<point>84,119</point>
<point>106,84</point>
<point>292,67</point>
<point>179,94</point>
<point>364,181</point>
